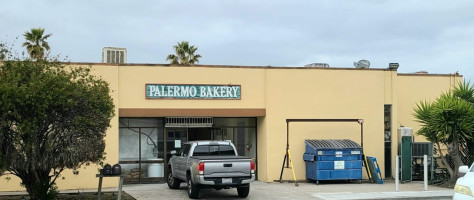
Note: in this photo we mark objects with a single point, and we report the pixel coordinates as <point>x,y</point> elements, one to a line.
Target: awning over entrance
<point>170,112</point>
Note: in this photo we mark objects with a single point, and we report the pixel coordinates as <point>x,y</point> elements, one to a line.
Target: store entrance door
<point>175,137</point>
<point>200,133</point>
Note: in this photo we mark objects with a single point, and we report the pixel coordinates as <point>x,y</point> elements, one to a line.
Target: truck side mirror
<point>463,169</point>
<point>173,152</point>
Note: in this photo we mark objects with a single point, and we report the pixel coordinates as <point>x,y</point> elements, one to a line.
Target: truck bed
<point>220,157</point>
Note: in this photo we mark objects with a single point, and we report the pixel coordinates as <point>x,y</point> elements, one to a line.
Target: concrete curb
<point>439,194</point>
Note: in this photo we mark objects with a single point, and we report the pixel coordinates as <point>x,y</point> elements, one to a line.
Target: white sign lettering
<point>165,91</point>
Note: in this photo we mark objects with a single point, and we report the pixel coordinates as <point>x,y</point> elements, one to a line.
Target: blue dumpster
<point>333,160</point>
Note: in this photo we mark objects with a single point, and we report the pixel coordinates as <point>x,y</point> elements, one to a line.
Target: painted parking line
<point>385,195</point>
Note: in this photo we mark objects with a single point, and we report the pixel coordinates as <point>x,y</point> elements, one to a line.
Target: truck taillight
<point>252,167</point>
<point>201,168</point>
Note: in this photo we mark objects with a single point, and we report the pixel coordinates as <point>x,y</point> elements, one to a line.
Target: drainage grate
<point>189,122</point>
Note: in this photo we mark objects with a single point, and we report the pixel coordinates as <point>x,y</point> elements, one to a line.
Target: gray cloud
<point>435,36</point>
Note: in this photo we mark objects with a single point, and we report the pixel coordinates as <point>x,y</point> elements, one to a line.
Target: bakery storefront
<point>145,143</point>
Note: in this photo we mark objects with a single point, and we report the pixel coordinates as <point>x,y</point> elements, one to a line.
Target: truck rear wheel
<point>193,190</point>
<point>243,191</point>
<point>173,183</point>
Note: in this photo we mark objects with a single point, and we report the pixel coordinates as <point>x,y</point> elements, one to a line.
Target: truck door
<point>182,159</point>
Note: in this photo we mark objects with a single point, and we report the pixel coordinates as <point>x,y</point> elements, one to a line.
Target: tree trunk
<point>454,152</point>
<point>445,161</point>
<point>38,187</point>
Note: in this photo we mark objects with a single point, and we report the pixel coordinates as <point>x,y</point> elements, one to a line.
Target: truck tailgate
<point>227,168</point>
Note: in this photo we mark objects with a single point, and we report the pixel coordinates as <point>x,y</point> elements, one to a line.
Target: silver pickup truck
<point>210,164</point>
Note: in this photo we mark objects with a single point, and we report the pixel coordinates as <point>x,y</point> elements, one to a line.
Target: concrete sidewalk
<point>262,190</point>
<point>276,191</point>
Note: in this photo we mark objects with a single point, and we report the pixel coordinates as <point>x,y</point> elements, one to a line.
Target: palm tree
<point>184,54</point>
<point>36,43</point>
<point>3,51</point>
<point>449,120</point>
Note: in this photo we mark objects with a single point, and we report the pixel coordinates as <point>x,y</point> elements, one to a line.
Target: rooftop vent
<point>362,64</point>
<point>114,55</point>
<point>323,65</point>
<point>393,66</point>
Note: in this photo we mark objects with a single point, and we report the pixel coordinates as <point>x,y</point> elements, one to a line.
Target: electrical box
<point>405,135</point>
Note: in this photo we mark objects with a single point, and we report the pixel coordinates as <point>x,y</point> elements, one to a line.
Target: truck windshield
<point>214,150</point>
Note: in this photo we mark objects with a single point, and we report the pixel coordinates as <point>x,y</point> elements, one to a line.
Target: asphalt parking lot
<point>274,191</point>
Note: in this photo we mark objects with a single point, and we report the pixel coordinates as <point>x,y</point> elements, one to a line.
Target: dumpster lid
<point>332,144</point>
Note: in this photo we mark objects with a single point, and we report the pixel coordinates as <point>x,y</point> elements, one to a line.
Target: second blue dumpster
<point>333,160</point>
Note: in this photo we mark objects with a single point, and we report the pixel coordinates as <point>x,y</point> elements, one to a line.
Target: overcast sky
<point>433,35</point>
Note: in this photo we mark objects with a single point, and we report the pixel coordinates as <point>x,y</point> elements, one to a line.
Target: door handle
<point>227,165</point>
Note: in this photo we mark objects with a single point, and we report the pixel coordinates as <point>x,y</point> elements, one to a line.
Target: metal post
<point>120,188</point>
<point>100,188</point>
<point>140,155</point>
<point>282,167</point>
<point>396,173</point>
<point>287,143</point>
<point>425,171</point>
<point>362,135</point>
<point>165,150</point>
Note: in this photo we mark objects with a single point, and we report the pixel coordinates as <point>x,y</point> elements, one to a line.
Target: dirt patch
<point>74,196</point>
<point>444,185</point>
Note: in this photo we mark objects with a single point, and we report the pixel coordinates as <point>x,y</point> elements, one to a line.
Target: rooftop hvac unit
<point>114,55</point>
<point>323,65</point>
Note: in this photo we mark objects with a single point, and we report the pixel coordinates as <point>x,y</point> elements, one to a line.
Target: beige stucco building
<point>250,106</point>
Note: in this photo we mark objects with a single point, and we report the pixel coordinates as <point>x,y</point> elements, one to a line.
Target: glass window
<point>140,122</point>
<point>234,121</point>
<point>149,143</point>
<point>226,150</point>
<point>201,150</point>
<point>217,134</point>
<point>214,150</point>
<point>140,148</point>
<point>186,150</point>
<point>180,151</point>
<point>129,143</point>
<point>250,146</point>
<point>387,123</point>
<point>175,139</point>
<point>228,134</point>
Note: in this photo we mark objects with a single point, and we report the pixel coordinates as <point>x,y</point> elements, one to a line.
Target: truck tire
<point>193,189</point>
<point>173,183</point>
<point>243,192</point>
